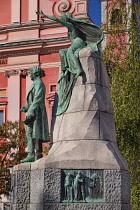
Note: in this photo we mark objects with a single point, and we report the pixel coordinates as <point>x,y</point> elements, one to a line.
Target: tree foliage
<point>12,150</point>
<point>122,57</point>
<point>45,148</point>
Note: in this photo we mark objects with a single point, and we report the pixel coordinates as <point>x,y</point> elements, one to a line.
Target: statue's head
<point>35,72</point>
<point>66,16</point>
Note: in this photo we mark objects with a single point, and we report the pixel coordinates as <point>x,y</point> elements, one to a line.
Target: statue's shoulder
<point>39,83</point>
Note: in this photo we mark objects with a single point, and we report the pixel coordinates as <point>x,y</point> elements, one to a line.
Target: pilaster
<point>15,11</point>
<point>13,97</point>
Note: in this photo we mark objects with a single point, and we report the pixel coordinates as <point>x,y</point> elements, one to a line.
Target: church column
<point>18,66</point>
<point>13,97</point>
<point>33,6</point>
<point>103,18</point>
<point>28,83</point>
<point>15,11</point>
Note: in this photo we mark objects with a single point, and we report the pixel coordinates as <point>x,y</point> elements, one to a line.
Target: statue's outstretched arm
<point>64,23</point>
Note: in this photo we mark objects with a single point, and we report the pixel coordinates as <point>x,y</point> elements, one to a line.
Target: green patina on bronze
<point>36,117</point>
<point>81,33</point>
<point>82,186</point>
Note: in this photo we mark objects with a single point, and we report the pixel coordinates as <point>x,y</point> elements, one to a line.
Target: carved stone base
<point>45,189</point>
<point>50,206</point>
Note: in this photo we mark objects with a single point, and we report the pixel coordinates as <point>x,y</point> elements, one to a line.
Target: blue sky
<point>95,11</point>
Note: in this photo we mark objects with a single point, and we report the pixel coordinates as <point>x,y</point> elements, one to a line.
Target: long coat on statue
<point>36,108</point>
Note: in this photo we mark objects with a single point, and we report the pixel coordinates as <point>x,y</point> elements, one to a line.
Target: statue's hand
<point>77,75</point>
<point>30,116</point>
<point>28,119</point>
<point>42,14</point>
<point>23,109</point>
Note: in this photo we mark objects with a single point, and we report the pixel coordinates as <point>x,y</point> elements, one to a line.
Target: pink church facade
<point>26,41</point>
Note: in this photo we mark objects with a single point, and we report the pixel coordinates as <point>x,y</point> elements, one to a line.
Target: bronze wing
<point>90,32</point>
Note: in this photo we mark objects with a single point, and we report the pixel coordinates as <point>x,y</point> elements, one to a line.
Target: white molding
<point>103,20</point>
<point>50,64</point>
<point>29,65</point>
<point>18,67</point>
<point>104,12</point>
<point>28,84</point>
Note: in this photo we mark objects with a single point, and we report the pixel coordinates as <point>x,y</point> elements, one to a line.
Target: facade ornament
<point>14,72</point>
<point>24,72</point>
<point>64,6</point>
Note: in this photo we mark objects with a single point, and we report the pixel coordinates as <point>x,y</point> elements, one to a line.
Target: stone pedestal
<point>84,146</point>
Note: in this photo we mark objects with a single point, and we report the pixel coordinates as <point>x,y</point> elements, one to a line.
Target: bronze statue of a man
<point>36,118</point>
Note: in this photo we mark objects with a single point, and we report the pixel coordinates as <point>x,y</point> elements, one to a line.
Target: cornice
<point>17,69</point>
<point>3,102</point>
<point>33,41</point>
<point>32,25</point>
<point>35,46</point>
<point>28,26</point>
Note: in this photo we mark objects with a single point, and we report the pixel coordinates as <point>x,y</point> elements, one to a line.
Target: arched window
<point>116,17</point>
<point>1,116</point>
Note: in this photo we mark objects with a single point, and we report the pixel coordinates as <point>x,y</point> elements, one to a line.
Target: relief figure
<point>68,187</point>
<point>79,187</point>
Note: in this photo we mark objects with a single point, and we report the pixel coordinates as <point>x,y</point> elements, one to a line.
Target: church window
<point>1,116</point>
<point>2,92</point>
<point>52,88</point>
<point>116,17</point>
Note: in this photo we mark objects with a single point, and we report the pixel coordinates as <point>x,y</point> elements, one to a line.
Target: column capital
<point>13,72</point>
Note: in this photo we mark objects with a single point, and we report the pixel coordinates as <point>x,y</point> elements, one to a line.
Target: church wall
<point>22,35</point>
<point>50,79</point>
<point>45,6</point>
<point>23,60</point>
<point>3,95</point>
<point>53,32</point>
<point>49,57</point>
<point>24,11</point>
<point>22,95</point>
<point>5,12</point>
<point>3,80</point>
<point>3,37</point>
